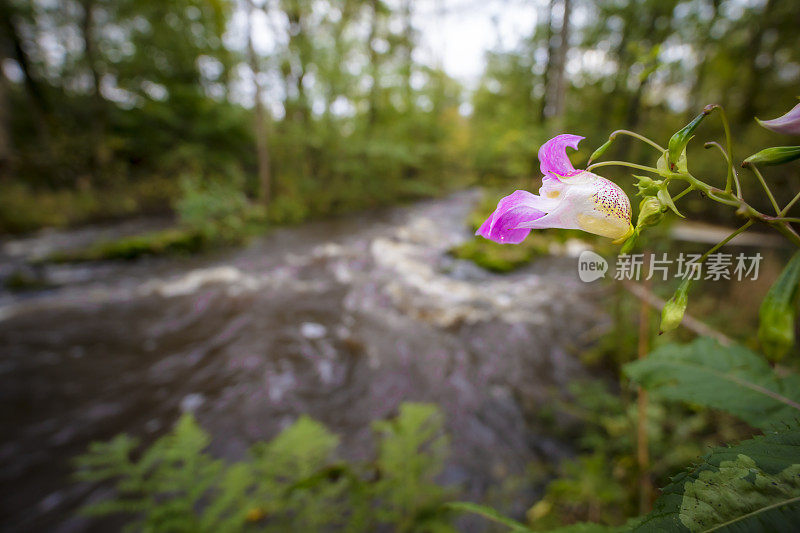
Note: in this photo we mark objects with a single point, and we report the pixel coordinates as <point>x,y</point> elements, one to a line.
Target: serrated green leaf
<point>729,378</point>
<point>752,486</point>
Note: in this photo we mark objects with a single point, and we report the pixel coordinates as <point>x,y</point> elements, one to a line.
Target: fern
<point>753,486</point>
<point>292,483</point>
<point>411,454</point>
<point>729,378</point>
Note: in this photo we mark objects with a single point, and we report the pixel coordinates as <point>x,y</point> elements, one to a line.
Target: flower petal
<point>788,123</point>
<point>553,160</point>
<point>519,207</point>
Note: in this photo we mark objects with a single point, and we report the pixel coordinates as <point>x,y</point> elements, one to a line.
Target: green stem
<point>788,232</point>
<point>725,241</point>
<point>728,143</point>
<point>683,193</point>
<point>637,136</point>
<point>731,170</point>
<point>789,205</point>
<point>766,187</point>
<point>623,164</point>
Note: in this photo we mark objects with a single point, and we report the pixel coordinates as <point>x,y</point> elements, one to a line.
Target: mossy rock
<point>176,241</point>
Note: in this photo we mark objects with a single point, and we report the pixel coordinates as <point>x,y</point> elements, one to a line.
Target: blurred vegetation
<point>111,108</point>
<point>292,483</point>
<point>107,106</point>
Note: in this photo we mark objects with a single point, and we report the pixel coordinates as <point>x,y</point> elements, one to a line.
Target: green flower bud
<point>674,309</point>
<point>600,151</point>
<point>681,138</point>
<point>648,186</point>
<point>650,212</point>
<point>777,312</point>
<point>776,155</point>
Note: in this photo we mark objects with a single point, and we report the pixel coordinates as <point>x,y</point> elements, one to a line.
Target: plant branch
<point>764,185</point>
<point>637,136</point>
<point>731,170</point>
<point>789,205</point>
<point>623,164</point>
<point>728,143</point>
<point>683,193</point>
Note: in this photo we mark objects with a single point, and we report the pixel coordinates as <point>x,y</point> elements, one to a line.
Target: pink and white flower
<point>568,199</point>
<point>788,123</point>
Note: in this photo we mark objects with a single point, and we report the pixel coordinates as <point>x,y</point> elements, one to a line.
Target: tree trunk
<point>749,106</point>
<point>556,94</point>
<point>98,157</point>
<point>548,66</point>
<point>260,125</point>
<point>372,113</point>
<point>34,91</point>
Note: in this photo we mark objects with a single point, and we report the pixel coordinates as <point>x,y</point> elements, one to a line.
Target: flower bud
<point>674,309</point>
<point>650,212</point>
<point>777,312</point>
<point>776,155</point>
<point>681,138</point>
<point>648,186</point>
<point>600,151</point>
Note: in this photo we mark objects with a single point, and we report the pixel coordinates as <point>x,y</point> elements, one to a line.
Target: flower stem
<point>623,164</point>
<point>789,205</point>
<point>728,143</point>
<point>766,187</point>
<point>726,240</point>
<point>683,193</point>
<point>637,136</point>
<point>731,170</point>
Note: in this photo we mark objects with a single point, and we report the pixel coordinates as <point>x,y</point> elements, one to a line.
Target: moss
<point>176,241</point>
<point>500,257</point>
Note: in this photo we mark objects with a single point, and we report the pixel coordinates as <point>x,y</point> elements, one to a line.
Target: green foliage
<point>292,483</point>
<point>217,210</point>
<point>752,486</point>
<point>730,378</point>
<point>778,312</point>
<point>411,454</point>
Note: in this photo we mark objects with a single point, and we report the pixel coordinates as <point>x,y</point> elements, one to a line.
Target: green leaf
<point>777,312</point>
<point>489,513</point>
<point>730,378</point>
<point>752,486</point>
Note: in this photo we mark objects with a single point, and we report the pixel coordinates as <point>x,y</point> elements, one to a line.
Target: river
<point>342,319</point>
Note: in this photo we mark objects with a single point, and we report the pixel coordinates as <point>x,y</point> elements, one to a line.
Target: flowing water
<point>341,319</point>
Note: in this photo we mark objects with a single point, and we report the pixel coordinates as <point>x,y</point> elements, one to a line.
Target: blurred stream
<point>341,319</point>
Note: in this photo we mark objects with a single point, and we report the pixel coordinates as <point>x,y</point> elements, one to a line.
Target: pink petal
<point>514,209</point>
<point>553,160</point>
<point>788,123</point>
